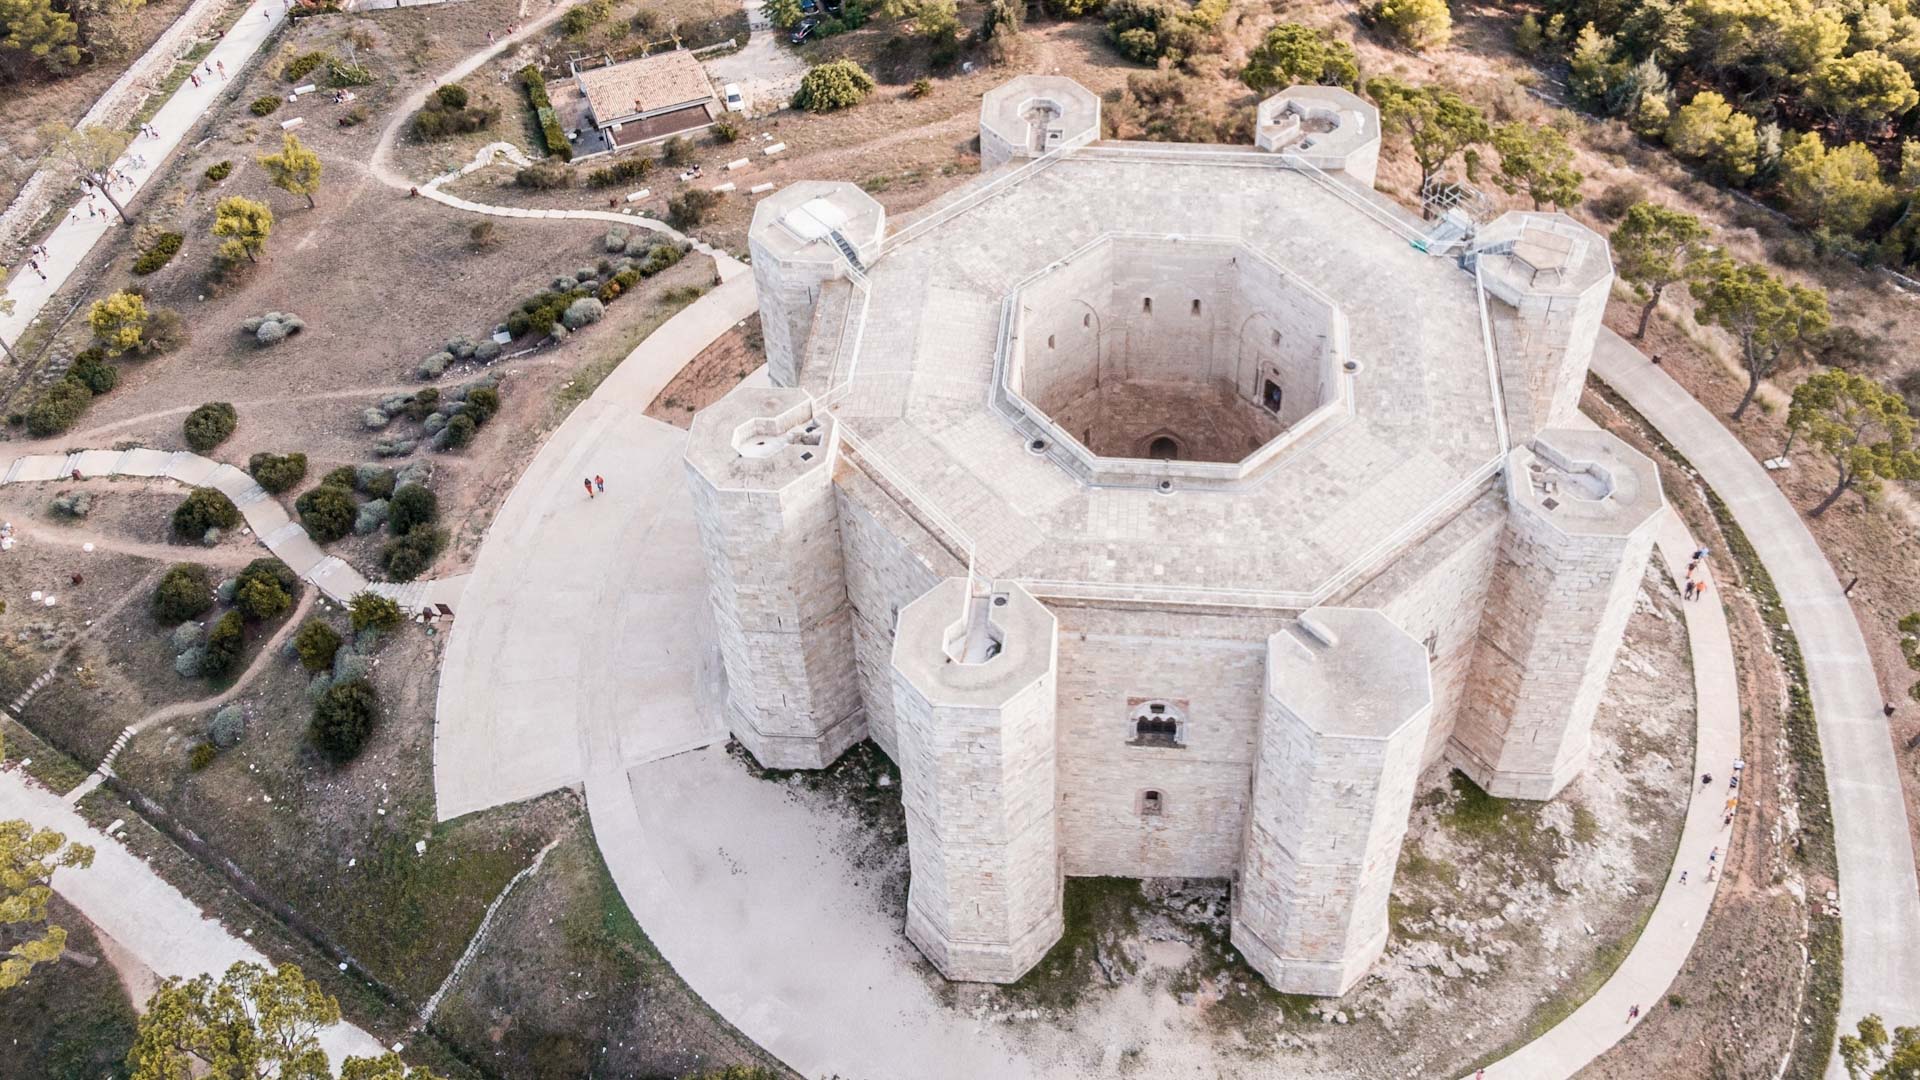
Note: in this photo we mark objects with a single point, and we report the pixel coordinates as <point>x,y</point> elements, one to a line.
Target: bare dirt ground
<point>708,376</point>
<point>1505,914</point>
<point>38,99</point>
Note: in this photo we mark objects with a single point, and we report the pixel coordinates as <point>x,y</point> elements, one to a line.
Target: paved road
<point>70,242</point>
<point>1879,896</point>
<point>577,647</point>
<point>141,912</point>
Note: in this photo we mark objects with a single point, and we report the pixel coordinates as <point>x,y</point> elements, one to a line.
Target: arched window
<point>1163,448</point>
<point>1152,803</point>
<point>1146,305</point>
<point>1158,723</point>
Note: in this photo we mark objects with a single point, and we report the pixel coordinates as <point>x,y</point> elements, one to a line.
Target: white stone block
<point>776,148</point>
<point>759,189</point>
<point>728,186</point>
<point>636,196</point>
<point>289,125</point>
<point>738,163</point>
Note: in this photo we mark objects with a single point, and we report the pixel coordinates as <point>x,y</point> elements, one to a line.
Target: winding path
<point>1879,893</point>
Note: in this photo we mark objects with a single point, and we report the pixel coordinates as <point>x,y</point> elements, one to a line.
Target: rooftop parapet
<point>760,439</point>
<point>1033,115</point>
<point>1584,483</point>
<point>1329,128</point>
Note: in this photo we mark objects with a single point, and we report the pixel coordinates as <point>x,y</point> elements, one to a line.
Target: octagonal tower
<point>1347,705</point>
<point>1333,130</point>
<point>1582,511</point>
<point>803,238</point>
<point>1029,116</point>
<point>760,465</point>
<point>974,728</point>
<point>1554,274</point>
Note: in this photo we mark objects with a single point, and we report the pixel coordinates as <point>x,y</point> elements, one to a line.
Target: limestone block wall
<point>794,257</point>
<point>891,562</point>
<point>1156,329</point>
<point>788,290</point>
<point>1569,570</point>
<point>1061,330</point>
<point>976,750</point>
<point>1550,277</point>
<point>1436,591</point>
<point>769,531</point>
<point>1213,668</point>
<point>1339,753</point>
<point>1279,329</point>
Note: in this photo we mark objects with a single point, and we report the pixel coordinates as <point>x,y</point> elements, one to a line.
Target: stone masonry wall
<point>1436,592</point>
<point>1554,619</point>
<point>886,571</point>
<point>776,575</point>
<point>788,292</point>
<point>1111,657</point>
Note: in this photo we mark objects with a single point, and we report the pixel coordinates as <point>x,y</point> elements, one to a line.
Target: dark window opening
<point>1196,307</point>
<point>1156,731</point>
<point>1086,320</point>
<point>1150,804</point>
<point>1049,341</point>
<point>1270,396</point>
<point>1146,305</point>
<point>1163,448</point>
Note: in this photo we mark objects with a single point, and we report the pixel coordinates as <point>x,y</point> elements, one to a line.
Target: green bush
<point>303,65</point>
<point>373,481</point>
<point>91,370</point>
<point>344,719</point>
<point>203,509</point>
<point>219,171</point>
<point>224,646</point>
<point>58,408</point>
<point>209,425</point>
<point>316,643</point>
<point>341,74</point>
<point>437,119</point>
<point>227,727</point>
<point>277,472</point>
<point>550,131</point>
<point>451,98</point>
<point>725,131</point>
<point>836,84</point>
<point>327,512</point>
<point>543,177</point>
<point>677,151</point>
<point>690,207</point>
<point>412,505</point>
<point>265,589</point>
<point>371,611</point>
<point>264,105</point>
<point>407,557</point>
<point>459,432</point>
<point>202,756</point>
<point>482,403</point>
<point>620,172</point>
<point>165,246</point>
<point>185,592</point>
<point>581,18</point>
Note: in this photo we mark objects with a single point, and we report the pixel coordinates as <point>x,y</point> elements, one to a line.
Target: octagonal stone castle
<point>1165,510</point>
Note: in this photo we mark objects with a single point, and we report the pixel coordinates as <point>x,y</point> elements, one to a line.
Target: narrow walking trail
<point>72,239</point>
<point>141,912</point>
<point>1879,893</point>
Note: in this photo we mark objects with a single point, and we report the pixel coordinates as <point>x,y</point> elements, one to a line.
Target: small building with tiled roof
<point>650,98</point>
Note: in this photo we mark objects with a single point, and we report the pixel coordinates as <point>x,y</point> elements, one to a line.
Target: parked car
<point>730,94</point>
<point>809,7</point>
<point>802,30</point>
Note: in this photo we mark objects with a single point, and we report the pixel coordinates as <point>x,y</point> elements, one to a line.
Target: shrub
<point>219,171</point>
<point>343,720</point>
<point>342,74</point>
<point>228,725</point>
<point>57,408</point>
<point>73,504</point>
<point>261,596</point>
<point>344,476</point>
<point>277,472</point>
<point>91,370</point>
<point>543,177</point>
<point>373,481</point>
<point>203,509</point>
<point>442,116</point>
<point>327,513</point>
<point>412,505</point>
<point>406,557</point>
<point>677,151</point>
<point>165,332</point>
<point>371,611</point>
<point>209,425</point>
<point>224,646</point>
<point>202,756</point>
<point>371,517</point>
<point>725,131</point>
<point>459,432</point>
<point>482,403</point>
<point>433,366</point>
<point>583,312</point>
<point>582,17</point>
<point>264,105</point>
<point>273,327</point>
<point>836,84</point>
<point>690,207</point>
<point>481,237</point>
<point>188,664</point>
<point>550,131</point>
<point>660,257</point>
<point>186,636</point>
<point>1417,24</point>
<point>185,592</point>
<point>620,172</point>
<point>163,248</point>
<point>451,98</point>
<point>303,65</point>
<point>118,321</point>
<point>316,643</point>
<point>920,88</point>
